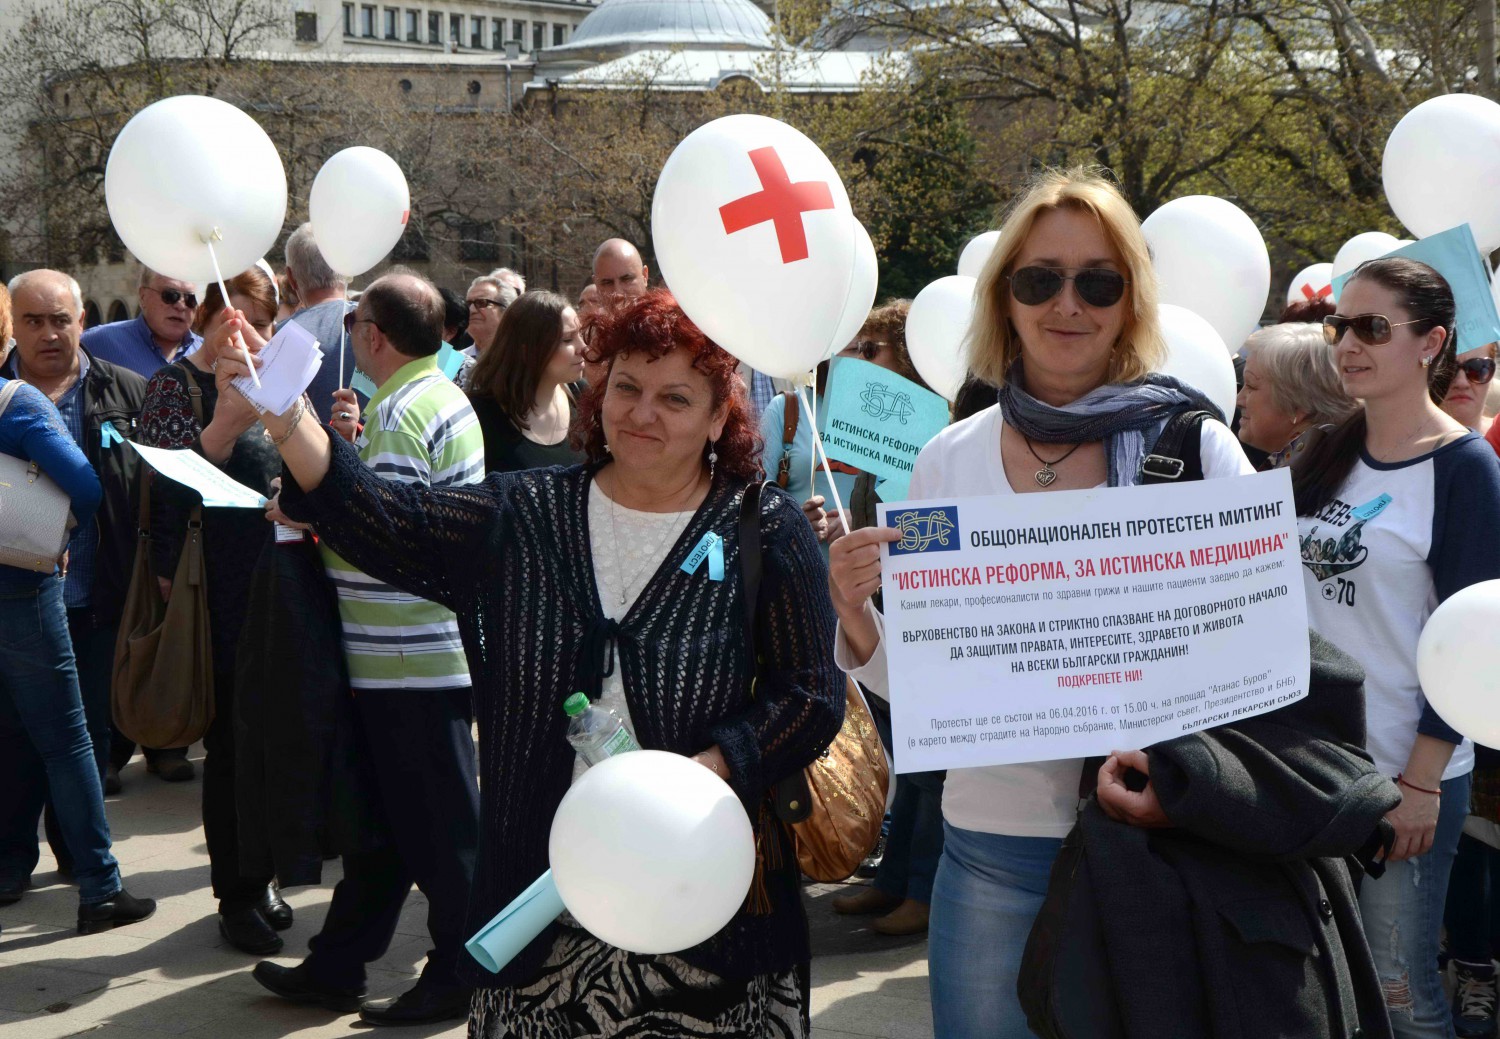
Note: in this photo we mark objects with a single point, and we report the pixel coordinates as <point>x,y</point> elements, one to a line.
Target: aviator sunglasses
<point>1370,329</point>
<point>171,297</point>
<point>1096,286</point>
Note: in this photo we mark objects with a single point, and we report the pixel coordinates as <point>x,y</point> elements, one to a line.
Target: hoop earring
<point>713,457</point>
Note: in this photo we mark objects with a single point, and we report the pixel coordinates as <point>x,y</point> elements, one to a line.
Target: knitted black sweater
<point>511,558</point>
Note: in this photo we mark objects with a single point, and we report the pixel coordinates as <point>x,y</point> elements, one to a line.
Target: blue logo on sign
<point>925,530</point>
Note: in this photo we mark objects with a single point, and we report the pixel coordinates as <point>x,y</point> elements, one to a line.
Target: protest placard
<point>875,420</point>
<point>1032,627</point>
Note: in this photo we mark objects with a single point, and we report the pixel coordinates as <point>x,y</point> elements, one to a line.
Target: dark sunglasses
<point>1480,370</point>
<point>351,319</point>
<point>1370,329</point>
<point>171,297</point>
<point>484,304</point>
<point>1097,286</point>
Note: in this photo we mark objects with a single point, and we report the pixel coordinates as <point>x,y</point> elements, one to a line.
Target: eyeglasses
<point>1370,329</point>
<point>171,297</point>
<point>868,349</point>
<point>351,319</point>
<point>1480,370</point>
<point>1097,286</point>
<point>484,304</point>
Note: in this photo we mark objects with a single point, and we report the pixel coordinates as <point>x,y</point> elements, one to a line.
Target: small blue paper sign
<point>877,421</point>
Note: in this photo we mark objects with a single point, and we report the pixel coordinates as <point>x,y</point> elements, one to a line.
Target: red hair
<point>655,325</point>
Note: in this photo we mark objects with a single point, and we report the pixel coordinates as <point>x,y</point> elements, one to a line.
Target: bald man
<point>410,680</point>
<point>619,271</point>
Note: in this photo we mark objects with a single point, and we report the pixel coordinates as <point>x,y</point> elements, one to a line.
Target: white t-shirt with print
<point>1039,799</point>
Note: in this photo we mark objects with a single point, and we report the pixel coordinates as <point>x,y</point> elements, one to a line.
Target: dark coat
<point>1241,921</point>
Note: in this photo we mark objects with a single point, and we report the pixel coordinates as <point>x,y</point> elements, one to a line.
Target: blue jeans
<point>1403,913</point>
<point>988,891</point>
<point>914,841</point>
<point>45,746</point>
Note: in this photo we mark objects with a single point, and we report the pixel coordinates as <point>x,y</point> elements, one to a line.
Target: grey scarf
<point>1126,416</point>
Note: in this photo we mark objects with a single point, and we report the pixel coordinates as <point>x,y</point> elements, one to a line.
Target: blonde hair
<point>992,342</point>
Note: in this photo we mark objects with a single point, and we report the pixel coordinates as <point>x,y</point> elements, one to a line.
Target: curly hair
<point>655,325</point>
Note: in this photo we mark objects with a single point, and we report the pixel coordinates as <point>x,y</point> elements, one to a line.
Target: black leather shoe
<point>12,890</point>
<point>111,780</point>
<point>274,908</point>
<point>292,983</point>
<point>423,1002</point>
<point>123,909</point>
<point>248,931</point>
<point>174,768</point>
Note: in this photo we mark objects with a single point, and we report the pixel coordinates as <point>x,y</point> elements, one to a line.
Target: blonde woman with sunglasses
<point>1388,503</point>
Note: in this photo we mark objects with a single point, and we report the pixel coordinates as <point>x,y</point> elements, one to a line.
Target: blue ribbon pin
<point>712,549</point>
<point>1372,508</point>
<point>109,435</point>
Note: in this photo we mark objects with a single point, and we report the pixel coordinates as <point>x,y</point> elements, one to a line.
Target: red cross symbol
<point>779,201</point>
<point>1307,290</point>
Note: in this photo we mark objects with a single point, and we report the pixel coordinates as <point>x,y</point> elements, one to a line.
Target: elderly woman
<point>1067,329</point>
<point>568,579</point>
<point>1291,386</point>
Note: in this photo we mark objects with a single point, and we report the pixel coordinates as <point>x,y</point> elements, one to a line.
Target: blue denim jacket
<point>31,429</point>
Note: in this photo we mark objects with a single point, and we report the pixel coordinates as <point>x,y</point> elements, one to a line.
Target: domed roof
<point>681,23</point>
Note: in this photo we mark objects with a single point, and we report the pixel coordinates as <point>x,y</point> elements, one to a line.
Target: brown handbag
<point>836,804</point>
<point>162,692</point>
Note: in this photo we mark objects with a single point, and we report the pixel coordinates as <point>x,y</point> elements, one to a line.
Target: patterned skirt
<point>588,988</point>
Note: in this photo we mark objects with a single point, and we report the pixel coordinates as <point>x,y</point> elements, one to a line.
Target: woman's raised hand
<point>229,362</point>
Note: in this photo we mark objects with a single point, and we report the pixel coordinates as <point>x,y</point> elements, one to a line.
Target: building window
<point>434,27</point>
<point>367,20</point>
<point>455,29</point>
<point>537,29</point>
<point>478,242</point>
<point>476,32</point>
<point>307,26</point>
<point>518,33</point>
<point>390,23</point>
<point>497,34</point>
<point>348,19</point>
<point>413,24</point>
<point>559,35</point>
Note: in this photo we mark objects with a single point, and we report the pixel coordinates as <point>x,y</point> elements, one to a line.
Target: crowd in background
<point>470,546</point>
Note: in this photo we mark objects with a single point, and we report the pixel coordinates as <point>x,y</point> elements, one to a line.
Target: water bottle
<point>596,732</point>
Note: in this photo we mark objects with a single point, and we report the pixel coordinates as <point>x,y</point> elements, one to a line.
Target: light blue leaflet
<point>517,925</point>
<point>193,470</point>
<point>877,421</point>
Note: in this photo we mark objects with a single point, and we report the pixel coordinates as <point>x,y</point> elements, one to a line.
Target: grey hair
<point>307,264</point>
<point>505,291</point>
<point>1300,372</point>
<point>506,274</point>
<point>25,278</point>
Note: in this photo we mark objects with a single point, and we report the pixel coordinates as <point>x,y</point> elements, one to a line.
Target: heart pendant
<point>1045,477</point>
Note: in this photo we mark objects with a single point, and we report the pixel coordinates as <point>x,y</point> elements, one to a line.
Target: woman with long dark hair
<point>1388,505</point>
<point>524,387</point>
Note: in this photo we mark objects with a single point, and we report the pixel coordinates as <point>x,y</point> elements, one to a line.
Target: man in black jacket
<point>100,405</point>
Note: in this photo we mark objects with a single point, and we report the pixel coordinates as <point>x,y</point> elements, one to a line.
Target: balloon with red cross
<point>754,235</point>
<point>1314,282</point>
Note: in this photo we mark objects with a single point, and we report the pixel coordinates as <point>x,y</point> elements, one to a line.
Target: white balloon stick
<point>343,333</point>
<point>820,453</point>
<point>224,294</point>
<point>812,396</point>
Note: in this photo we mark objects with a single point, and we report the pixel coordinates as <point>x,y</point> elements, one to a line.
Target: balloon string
<point>820,453</point>
<point>224,295</point>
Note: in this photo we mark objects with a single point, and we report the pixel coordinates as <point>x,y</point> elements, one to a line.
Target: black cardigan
<point>511,558</point>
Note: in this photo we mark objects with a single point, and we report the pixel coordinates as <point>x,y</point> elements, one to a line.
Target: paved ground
<point>174,975</point>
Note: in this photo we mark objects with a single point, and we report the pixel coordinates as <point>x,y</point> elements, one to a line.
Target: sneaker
<point>1474,997</point>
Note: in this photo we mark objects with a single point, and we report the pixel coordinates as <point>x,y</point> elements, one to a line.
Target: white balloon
<point>1455,662</point>
<point>762,264</point>
<point>1371,245</point>
<point>936,327</point>
<point>187,169</point>
<point>1210,258</point>
<point>1197,356</point>
<point>652,852</point>
<point>1442,167</point>
<point>358,206</point>
<point>863,282</point>
<point>1311,283</point>
<point>977,253</point>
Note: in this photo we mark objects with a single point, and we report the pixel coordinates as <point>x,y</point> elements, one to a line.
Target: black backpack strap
<point>1177,456</point>
<point>790,794</point>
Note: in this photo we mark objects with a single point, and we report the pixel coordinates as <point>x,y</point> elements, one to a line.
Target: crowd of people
<point>446,554</point>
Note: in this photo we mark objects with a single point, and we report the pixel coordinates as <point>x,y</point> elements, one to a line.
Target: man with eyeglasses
<point>159,334</point>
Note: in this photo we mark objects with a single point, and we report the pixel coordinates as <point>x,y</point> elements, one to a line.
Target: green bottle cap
<point>575,705</point>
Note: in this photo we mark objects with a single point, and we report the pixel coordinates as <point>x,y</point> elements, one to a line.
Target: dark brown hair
<point>1428,301</point>
<point>511,366</point>
<point>254,284</point>
<point>655,325</point>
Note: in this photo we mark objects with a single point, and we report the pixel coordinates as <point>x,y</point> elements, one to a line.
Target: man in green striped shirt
<point>410,682</point>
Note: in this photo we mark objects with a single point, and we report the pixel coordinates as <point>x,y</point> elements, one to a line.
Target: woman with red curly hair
<point>572,578</point>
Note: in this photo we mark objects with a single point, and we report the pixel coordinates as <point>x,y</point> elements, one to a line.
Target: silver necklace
<point>654,557</point>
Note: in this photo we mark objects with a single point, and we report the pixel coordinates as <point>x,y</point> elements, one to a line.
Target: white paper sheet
<point>289,362</point>
<point>193,470</point>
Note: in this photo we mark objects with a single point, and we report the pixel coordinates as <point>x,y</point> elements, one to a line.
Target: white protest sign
<point>193,470</point>
<point>1033,627</point>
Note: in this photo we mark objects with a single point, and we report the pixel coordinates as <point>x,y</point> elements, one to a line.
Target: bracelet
<point>291,426</point>
<point>1401,779</point>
